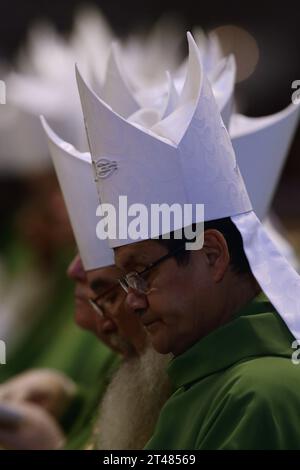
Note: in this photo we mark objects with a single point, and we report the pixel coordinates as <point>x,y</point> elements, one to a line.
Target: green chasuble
<point>237,388</point>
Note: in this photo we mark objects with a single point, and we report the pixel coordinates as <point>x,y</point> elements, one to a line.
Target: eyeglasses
<point>135,279</point>
<point>99,307</point>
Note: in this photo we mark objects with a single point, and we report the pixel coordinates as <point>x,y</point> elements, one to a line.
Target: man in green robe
<point>234,383</point>
<point>237,388</point>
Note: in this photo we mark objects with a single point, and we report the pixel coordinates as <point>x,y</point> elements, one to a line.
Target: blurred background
<point>36,241</point>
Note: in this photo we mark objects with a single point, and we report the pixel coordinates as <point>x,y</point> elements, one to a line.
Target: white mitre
<point>222,79</point>
<point>42,84</point>
<point>187,158</point>
<point>45,84</point>
<point>46,54</point>
<point>129,72</point>
<point>210,49</point>
<point>162,98</point>
<point>278,235</point>
<point>125,74</point>
<point>261,146</point>
<point>147,56</point>
<point>117,92</point>
<point>129,96</point>
<point>115,89</point>
<point>23,148</point>
<point>91,39</point>
<point>149,165</point>
<point>220,70</point>
<point>211,54</point>
<point>75,176</point>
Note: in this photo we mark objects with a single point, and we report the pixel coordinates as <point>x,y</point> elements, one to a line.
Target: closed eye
<point>113,296</point>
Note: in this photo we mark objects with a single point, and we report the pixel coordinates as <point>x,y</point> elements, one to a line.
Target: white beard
<point>132,402</point>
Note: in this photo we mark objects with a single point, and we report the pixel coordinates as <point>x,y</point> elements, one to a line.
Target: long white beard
<point>132,402</point>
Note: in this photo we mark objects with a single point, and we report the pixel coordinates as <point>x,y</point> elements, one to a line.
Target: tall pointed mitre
<point>210,48</point>
<point>261,146</point>
<point>187,158</point>
<point>115,90</point>
<point>222,79</point>
<point>221,72</point>
<point>162,164</point>
<point>75,176</point>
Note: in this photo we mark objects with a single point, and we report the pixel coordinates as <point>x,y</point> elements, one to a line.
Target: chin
<point>161,349</point>
<point>82,321</point>
<point>160,343</point>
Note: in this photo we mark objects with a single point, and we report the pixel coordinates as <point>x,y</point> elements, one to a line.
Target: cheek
<point>84,317</point>
<point>132,330</point>
<point>170,295</point>
<point>181,303</point>
<point>125,321</point>
<point>162,337</point>
<point>160,303</point>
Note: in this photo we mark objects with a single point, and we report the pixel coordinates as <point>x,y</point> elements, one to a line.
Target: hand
<point>25,426</point>
<point>51,390</point>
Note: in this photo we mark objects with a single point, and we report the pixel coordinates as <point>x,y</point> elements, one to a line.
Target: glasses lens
<point>124,284</point>
<point>137,283</point>
<point>96,307</point>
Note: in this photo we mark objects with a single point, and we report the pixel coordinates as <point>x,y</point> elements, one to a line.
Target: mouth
<point>151,324</point>
<point>140,312</point>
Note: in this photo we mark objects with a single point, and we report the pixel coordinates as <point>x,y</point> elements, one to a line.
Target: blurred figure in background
<point>37,308</point>
<point>36,313</point>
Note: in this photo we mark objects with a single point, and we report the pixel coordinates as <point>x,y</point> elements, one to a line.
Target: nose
<point>136,302</point>
<point>76,271</point>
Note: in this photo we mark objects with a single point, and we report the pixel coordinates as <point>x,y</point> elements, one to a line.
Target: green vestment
<point>236,388</point>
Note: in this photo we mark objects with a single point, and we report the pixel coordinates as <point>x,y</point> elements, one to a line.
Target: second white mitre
<point>75,176</point>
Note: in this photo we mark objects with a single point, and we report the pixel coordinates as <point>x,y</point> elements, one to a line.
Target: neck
<point>233,293</point>
<point>244,289</point>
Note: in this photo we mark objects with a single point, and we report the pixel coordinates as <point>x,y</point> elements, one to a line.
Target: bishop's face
<point>110,298</point>
<point>118,328</point>
<point>181,301</point>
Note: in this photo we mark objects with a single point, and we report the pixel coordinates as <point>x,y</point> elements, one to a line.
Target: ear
<point>215,249</point>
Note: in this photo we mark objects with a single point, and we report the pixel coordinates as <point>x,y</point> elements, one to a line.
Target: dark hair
<point>238,259</point>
